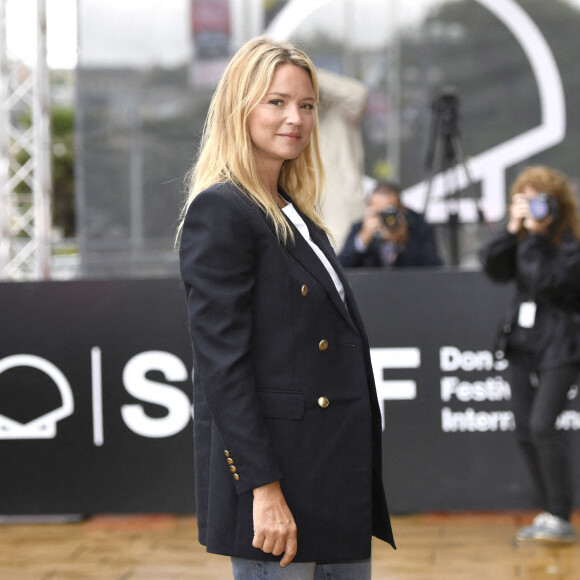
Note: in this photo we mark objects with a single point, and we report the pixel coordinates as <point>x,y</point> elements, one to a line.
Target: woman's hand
<point>519,211</point>
<point>521,217</point>
<point>274,527</point>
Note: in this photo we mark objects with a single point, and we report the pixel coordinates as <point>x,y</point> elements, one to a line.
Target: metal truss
<point>25,175</point>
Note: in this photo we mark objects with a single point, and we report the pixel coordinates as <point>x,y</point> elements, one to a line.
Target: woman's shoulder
<point>224,198</point>
<point>569,240</point>
<point>570,247</point>
<point>224,208</point>
<point>224,192</point>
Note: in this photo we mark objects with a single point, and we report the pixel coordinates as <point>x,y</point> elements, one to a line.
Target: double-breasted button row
<point>230,461</point>
<point>323,344</point>
<point>304,289</point>
<point>323,402</point>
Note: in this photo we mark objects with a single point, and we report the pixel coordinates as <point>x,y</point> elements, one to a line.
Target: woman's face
<point>281,124</point>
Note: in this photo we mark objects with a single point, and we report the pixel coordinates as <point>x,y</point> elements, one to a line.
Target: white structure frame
<point>25,218</point>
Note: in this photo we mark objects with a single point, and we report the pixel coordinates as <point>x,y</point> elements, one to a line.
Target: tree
<point>63,208</point>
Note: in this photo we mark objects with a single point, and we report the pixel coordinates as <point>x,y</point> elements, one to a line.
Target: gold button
<point>323,402</point>
<point>323,344</point>
<point>227,453</point>
<point>230,460</point>
<point>236,476</point>
<point>233,468</point>
<point>304,289</point>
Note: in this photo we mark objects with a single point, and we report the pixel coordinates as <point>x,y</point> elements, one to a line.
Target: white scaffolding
<point>25,170</point>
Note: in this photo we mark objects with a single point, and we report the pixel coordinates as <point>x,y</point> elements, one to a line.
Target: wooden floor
<point>466,546</point>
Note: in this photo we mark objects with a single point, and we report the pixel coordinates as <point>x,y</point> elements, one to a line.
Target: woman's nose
<point>294,114</point>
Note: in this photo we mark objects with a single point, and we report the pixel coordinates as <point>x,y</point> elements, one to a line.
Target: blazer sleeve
<point>350,257</point>
<point>553,272</point>
<point>421,248</point>
<point>498,256</point>
<point>218,265</point>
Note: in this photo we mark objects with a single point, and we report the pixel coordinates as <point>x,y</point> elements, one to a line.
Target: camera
<point>542,206</point>
<point>446,109</point>
<point>390,216</point>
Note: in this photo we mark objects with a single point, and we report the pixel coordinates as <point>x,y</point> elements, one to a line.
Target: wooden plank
<point>462,546</point>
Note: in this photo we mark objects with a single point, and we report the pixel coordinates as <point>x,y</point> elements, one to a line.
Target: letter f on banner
<point>394,390</point>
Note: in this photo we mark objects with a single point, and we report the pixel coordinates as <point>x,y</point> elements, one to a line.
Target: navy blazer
<point>283,385</point>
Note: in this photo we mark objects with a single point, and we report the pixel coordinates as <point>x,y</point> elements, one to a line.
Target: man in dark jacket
<point>390,235</point>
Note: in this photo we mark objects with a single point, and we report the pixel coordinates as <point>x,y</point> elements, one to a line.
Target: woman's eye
<point>308,106</point>
<point>276,102</point>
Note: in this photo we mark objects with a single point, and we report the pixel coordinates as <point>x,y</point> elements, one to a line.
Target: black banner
<point>95,395</point>
<point>119,438</point>
<point>449,441</point>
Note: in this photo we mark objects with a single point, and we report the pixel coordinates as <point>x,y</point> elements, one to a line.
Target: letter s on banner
<point>174,400</point>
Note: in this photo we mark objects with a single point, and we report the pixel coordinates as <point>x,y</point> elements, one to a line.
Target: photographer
<point>390,235</point>
<point>539,250</point>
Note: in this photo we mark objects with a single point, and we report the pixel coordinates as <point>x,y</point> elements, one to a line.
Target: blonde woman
<point>287,423</point>
<point>539,250</point>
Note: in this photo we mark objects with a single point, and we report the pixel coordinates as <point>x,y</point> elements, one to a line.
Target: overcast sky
<point>61,31</point>
<point>148,32</point>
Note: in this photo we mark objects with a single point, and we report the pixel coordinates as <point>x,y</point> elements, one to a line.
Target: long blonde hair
<point>553,183</point>
<point>226,152</point>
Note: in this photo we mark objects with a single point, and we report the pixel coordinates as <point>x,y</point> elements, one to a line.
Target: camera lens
<point>390,217</point>
<point>539,207</point>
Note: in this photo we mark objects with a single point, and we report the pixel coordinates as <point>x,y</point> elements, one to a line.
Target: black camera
<point>542,206</point>
<point>446,109</point>
<point>391,217</point>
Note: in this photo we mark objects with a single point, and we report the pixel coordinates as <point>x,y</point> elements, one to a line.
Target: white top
<point>295,218</point>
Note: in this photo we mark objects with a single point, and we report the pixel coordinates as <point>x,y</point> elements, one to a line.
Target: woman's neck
<point>280,200</point>
<point>270,180</point>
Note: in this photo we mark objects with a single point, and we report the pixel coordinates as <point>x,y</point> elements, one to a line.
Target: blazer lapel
<point>322,241</point>
<point>306,256</point>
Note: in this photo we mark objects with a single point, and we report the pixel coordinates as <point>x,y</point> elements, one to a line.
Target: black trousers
<point>545,448</point>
